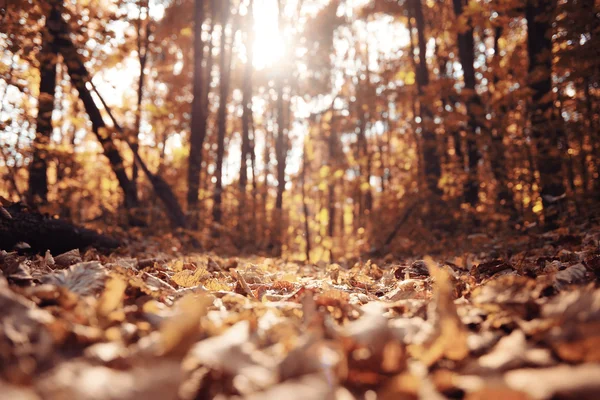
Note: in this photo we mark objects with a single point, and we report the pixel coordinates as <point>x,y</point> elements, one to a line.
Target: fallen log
<point>20,224</point>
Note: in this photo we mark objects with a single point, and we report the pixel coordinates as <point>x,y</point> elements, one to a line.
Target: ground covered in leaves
<point>517,319</point>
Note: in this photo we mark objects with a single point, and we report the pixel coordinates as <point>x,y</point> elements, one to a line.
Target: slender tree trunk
<point>304,203</point>
<point>498,151</point>
<point>79,77</point>
<point>546,128</point>
<point>280,155</point>
<point>208,78</point>
<point>583,153</point>
<point>265,192</point>
<point>364,163</point>
<point>246,116</point>
<point>466,53</point>
<point>280,148</point>
<point>224,68</point>
<point>332,141</point>
<point>48,57</point>
<point>432,168</point>
<point>143,39</point>
<point>198,123</point>
<point>160,186</point>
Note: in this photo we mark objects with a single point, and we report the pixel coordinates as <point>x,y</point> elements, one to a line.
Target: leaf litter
<point>155,325</point>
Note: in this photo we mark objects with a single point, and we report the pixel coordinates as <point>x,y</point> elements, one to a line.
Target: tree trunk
<point>224,68</point>
<point>497,148</point>
<point>198,123</point>
<point>160,186</point>
<point>546,129</point>
<point>364,164</point>
<point>332,141</point>
<point>246,116</point>
<point>466,54</point>
<point>48,57</point>
<point>280,148</point>
<point>79,76</point>
<point>432,168</point>
<point>280,155</point>
<point>143,40</point>
<point>304,204</point>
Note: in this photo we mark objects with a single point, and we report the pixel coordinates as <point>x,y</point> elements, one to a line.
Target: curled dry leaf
<point>25,338</point>
<point>180,332</point>
<point>84,279</point>
<point>233,354</point>
<point>566,382</point>
<point>152,379</point>
<point>571,275</point>
<point>449,339</point>
<point>512,352</point>
<point>67,259</point>
<point>112,297</point>
<point>306,387</point>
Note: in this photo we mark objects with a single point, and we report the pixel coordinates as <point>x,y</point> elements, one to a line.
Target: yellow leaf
<point>324,171</point>
<point>186,32</point>
<point>112,297</point>
<point>410,78</point>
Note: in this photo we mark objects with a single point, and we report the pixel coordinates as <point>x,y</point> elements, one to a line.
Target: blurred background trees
<point>308,128</point>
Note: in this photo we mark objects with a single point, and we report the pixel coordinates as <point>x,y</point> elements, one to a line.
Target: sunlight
<point>268,43</point>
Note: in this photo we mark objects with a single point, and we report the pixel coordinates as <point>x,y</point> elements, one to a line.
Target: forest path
<point>522,325</point>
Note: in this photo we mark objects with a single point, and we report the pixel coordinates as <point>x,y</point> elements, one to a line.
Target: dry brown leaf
<point>84,279</point>
<point>180,332</point>
<point>566,382</point>
<point>449,339</point>
<point>112,297</point>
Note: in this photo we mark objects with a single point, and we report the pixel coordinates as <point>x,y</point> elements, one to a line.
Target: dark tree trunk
<point>79,77</point>
<point>364,164</point>
<point>265,190</point>
<point>246,118</point>
<point>546,128</point>
<point>466,54</point>
<point>431,160</point>
<point>304,204</point>
<point>332,142</point>
<point>280,155</point>
<point>224,68</point>
<point>21,224</point>
<point>48,57</point>
<point>254,179</point>
<point>143,40</point>
<point>198,123</point>
<point>498,150</point>
<point>160,186</point>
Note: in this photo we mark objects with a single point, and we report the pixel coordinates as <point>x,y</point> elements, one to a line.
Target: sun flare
<point>268,42</point>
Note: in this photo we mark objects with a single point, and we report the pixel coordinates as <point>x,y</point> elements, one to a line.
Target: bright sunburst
<point>268,42</point>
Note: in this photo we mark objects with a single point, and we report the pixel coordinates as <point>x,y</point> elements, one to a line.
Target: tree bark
<point>224,68</point>
<point>246,117</point>
<point>304,204</point>
<point>48,57</point>
<point>143,40</point>
<point>280,150</point>
<point>466,54</point>
<point>498,150</point>
<point>79,76</point>
<point>546,129</point>
<point>160,186</point>
<point>431,168</point>
<point>198,123</point>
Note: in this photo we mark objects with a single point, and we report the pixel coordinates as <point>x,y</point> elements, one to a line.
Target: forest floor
<point>515,319</point>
